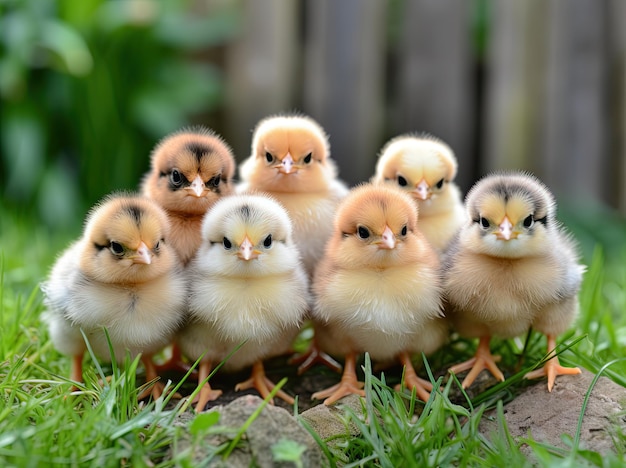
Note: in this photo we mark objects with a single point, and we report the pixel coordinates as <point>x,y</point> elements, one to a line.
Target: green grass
<point>105,425</point>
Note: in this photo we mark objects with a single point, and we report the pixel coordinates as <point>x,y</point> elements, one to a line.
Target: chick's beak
<point>246,250</point>
<point>422,190</point>
<point>387,239</point>
<point>286,167</point>
<point>197,186</point>
<point>143,255</point>
<point>505,230</point>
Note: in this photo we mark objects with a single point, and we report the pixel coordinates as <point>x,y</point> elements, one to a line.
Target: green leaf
<point>203,421</point>
<point>288,450</point>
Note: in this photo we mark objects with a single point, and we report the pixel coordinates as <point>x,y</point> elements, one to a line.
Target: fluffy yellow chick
<point>291,161</point>
<point>190,170</point>
<point>512,267</point>
<point>377,288</point>
<point>425,167</point>
<point>122,274</point>
<point>246,284</point>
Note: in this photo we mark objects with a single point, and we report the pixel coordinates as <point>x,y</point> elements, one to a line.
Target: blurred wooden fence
<point>545,92</point>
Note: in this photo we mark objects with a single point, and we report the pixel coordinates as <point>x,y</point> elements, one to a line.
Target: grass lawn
<point>105,425</point>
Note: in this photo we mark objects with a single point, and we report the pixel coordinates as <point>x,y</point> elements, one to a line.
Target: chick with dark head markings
<point>247,284</point>
<point>377,288</point>
<point>122,275</point>
<point>425,167</point>
<point>511,267</point>
<point>190,170</point>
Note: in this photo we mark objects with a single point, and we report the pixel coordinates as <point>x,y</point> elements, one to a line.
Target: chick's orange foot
<point>314,355</point>
<point>206,394</point>
<point>552,368</point>
<point>483,359</point>
<point>412,380</point>
<point>349,384</point>
<point>259,381</point>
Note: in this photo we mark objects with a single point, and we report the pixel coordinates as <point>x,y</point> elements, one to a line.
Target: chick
<point>123,275</point>
<point>291,161</point>
<point>246,284</point>
<point>511,267</point>
<point>190,170</point>
<point>425,167</point>
<point>377,288</point>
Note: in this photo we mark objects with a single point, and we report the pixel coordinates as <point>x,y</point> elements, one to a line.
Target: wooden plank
<point>515,73</point>
<point>433,89</point>
<point>577,161</point>
<point>261,68</point>
<point>343,82</point>
<point>617,13</point>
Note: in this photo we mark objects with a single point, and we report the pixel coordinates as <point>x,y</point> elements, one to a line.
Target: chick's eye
<point>214,181</point>
<point>157,245</point>
<point>267,243</point>
<point>484,222</point>
<point>529,221</point>
<point>268,157</point>
<point>307,158</point>
<point>402,182</point>
<point>227,244</point>
<point>404,230</point>
<point>176,177</point>
<point>363,232</point>
<point>116,248</point>
<point>439,184</point>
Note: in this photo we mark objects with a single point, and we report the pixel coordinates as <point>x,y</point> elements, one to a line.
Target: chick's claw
<point>552,368</point>
<point>259,381</point>
<point>348,386</point>
<point>206,394</point>
<point>483,359</point>
<point>313,356</point>
<point>413,381</point>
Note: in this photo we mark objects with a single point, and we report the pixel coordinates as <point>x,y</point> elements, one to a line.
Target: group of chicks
<point>389,267</point>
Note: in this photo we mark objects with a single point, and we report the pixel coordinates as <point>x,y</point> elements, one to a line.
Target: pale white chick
<point>425,167</point>
<point>247,284</point>
<point>290,160</point>
<point>378,287</point>
<point>122,275</point>
<point>512,267</point>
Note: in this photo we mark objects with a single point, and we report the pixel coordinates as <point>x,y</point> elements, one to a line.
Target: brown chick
<point>291,161</point>
<point>425,167</point>
<point>511,267</point>
<point>377,289</point>
<point>123,275</point>
<point>247,284</point>
<point>190,170</point>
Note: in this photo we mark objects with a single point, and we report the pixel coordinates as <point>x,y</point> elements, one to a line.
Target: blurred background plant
<point>88,88</point>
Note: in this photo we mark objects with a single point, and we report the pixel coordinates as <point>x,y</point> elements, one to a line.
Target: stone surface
<point>546,416</point>
<point>273,425</point>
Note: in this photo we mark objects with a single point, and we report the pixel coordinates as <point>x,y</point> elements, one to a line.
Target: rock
<point>273,425</point>
<point>546,416</point>
<point>330,422</point>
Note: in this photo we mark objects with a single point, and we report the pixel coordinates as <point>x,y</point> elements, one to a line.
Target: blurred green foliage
<point>88,87</point>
